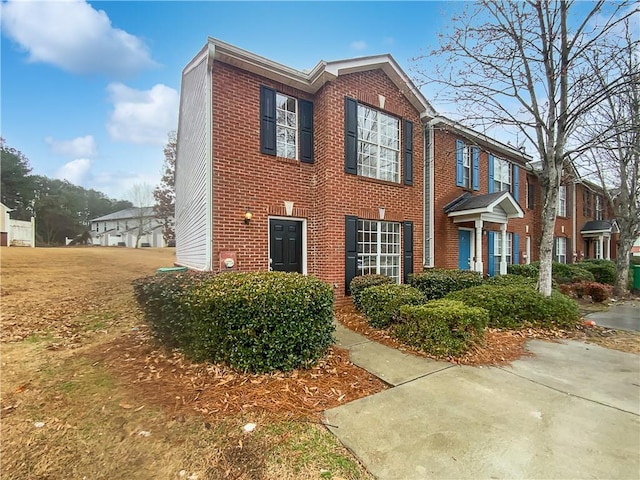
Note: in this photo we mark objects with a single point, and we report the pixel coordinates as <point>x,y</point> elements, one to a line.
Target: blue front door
<point>464,249</point>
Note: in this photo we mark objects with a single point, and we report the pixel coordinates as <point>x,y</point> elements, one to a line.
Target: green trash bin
<point>164,270</point>
<point>636,277</point>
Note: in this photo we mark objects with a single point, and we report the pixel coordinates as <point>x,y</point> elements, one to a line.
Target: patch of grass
<point>309,448</point>
<point>36,338</point>
<point>97,321</point>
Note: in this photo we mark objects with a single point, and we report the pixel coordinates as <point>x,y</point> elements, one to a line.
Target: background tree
<point>17,188</point>
<point>165,193</point>
<point>612,132</point>
<point>524,65</point>
<point>141,195</point>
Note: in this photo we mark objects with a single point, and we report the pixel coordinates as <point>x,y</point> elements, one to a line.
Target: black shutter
<point>267,120</point>
<point>350,250</point>
<point>408,250</point>
<point>531,194</point>
<point>408,152</point>
<point>350,136</point>
<point>306,131</point>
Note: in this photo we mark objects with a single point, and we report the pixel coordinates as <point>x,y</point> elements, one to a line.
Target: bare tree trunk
<point>550,191</point>
<point>621,286</point>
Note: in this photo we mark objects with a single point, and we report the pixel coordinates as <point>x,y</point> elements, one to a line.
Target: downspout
<point>428,203</point>
<point>574,223</point>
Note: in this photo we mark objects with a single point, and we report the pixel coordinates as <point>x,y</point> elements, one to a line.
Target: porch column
<point>478,266</point>
<point>503,247</point>
<point>601,240</point>
<point>528,250</point>
<point>607,252</point>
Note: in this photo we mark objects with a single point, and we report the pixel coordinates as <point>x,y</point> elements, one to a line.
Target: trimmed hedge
<point>515,306</point>
<point>561,272</point>
<point>381,303</point>
<point>512,279</point>
<point>603,271</point>
<point>161,298</point>
<point>526,270</point>
<point>256,322</point>
<point>441,327</point>
<point>437,282</point>
<point>359,284</point>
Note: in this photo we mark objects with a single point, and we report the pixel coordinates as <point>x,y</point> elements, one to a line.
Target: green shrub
<point>441,327</point>
<point>570,273</point>
<point>160,297</point>
<point>436,283</point>
<point>255,322</point>
<point>603,271</point>
<point>358,284</point>
<point>381,303</point>
<point>530,270</point>
<point>515,306</point>
<point>512,279</point>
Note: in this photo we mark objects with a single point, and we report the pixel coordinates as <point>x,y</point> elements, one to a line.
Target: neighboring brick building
<point>340,171</point>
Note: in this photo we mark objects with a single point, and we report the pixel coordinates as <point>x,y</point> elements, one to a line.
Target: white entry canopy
<point>495,207</point>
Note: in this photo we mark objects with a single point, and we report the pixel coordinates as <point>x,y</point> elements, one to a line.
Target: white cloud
<point>358,45</point>
<point>73,36</point>
<point>78,147</point>
<point>76,171</point>
<point>142,116</point>
<point>118,185</point>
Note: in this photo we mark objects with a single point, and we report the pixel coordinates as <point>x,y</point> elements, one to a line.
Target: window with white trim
<point>378,145</point>
<point>501,175</point>
<point>560,249</point>
<point>379,248</point>
<point>466,166</point>
<point>562,201</point>
<point>598,208</point>
<point>286,126</point>
<point>497,248</point>
<point>597,248</point>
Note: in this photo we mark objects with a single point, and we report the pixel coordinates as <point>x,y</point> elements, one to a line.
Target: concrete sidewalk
<point>570,411</point>
<point>620,316</point>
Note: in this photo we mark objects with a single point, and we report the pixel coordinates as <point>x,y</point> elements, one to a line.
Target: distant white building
<point>122,228</point>
<point>16,233</point>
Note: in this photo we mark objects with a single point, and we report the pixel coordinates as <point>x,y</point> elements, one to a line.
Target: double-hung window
<point>562,201</point>
<point>597,247</point>
<point>379,248</point>
<point>501,175</point>
<point>560,247</point>
<point>586,203</point>
<point>466,167</point>
<point>598,209</point>
<point>497,249</point>
<point>378,145</point>
<point>286,126</point>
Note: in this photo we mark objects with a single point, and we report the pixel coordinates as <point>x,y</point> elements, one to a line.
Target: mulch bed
<point>168,379</point>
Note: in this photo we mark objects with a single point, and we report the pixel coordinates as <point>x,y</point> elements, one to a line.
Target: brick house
<point>319,173</point>
<point>340,171</point>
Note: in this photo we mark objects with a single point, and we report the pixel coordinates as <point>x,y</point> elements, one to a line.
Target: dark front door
<point>285,238</point>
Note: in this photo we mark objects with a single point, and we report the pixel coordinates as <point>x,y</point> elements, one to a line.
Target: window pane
<point>378,144</point>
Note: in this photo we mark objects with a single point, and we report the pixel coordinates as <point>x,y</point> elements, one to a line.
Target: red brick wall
<point>445,191</point>
<point>322,192</point>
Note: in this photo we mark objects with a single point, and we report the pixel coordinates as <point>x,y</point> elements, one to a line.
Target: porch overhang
<point>598,228</point>
<point>496,207</point>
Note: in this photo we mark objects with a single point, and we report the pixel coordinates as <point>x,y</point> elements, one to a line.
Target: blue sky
<point>90,90</point>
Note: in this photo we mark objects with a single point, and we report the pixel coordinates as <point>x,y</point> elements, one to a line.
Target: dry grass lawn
<point>85,393</point>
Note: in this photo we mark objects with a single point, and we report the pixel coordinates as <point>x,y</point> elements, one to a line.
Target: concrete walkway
<point>620,316</point>
<point>570,411</point>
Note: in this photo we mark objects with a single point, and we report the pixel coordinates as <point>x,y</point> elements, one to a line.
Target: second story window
<point>286,126</point>
<point>598,209</point>
<point>467,166</point>
<point>378,145</point>
<point>586,203</point>
<point>374,146</point>
<point>501,175</point>
<point>531,195</point>
<point>562,201</point>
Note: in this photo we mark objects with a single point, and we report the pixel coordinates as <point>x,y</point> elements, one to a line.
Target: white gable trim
<point>504,205</point>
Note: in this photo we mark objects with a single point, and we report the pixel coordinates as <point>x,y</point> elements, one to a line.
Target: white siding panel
<point>193,170</point>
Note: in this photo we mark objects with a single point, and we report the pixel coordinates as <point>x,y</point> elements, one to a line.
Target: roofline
<point>484,139</point>
<point>322,73</point>
<point>489,208</point>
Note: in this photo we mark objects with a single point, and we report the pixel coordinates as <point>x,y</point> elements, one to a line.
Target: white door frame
<point>304,239</point>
